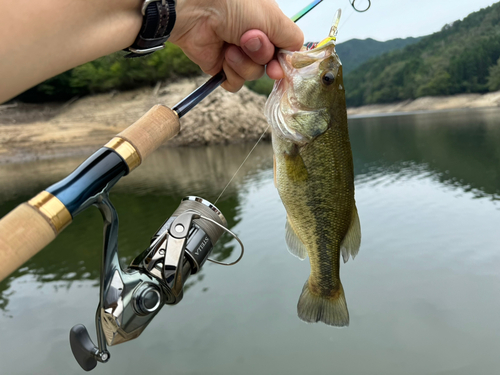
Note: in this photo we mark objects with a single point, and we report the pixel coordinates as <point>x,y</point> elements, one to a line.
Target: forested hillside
<point>462,58</point>
<point>352,53</point>
<point>114,72</point>
<point>355,52</point>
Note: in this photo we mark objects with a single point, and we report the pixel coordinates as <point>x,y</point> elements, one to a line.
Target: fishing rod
<point>130,297</point>
<point>201,92</point>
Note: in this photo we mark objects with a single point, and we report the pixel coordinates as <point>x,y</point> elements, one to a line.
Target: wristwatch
<point>157,24</point>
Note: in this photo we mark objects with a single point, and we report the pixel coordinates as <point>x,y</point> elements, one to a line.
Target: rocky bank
<point>80,126</point>
<point>33,131</point>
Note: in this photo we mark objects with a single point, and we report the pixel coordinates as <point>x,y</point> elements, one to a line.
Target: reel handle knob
<point>84,350</point>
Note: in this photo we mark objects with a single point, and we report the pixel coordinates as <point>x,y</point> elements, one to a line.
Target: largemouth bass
<point>314,174</point>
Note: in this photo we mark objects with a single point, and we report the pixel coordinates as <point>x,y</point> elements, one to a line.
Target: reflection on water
<point>460,148</point>
<point>423,292</point>
<point>144,200</point>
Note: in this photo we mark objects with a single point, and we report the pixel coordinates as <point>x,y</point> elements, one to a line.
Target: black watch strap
<point>157,24</point>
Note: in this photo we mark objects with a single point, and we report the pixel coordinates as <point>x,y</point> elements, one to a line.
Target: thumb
<point>282,31</point>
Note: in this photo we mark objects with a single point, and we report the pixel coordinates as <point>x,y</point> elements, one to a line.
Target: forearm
<point>40,39</point>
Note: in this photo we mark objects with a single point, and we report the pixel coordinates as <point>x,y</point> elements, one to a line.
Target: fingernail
<point>234,55</point>
<point>253,45</point>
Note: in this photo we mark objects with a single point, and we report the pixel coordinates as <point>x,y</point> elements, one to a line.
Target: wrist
<point>190,15</point>
<point>159,18</point>
<point>183,9</point>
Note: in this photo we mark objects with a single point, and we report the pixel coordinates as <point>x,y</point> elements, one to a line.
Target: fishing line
<point>295,18</point>
<point>353,10</point>
<point>344,21</point>
<point>235,173</point>
<point>347,18</point>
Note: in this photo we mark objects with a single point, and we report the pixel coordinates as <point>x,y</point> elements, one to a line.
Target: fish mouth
<point>306,64</point>
<point>282,103</point>
<point>305,60</point>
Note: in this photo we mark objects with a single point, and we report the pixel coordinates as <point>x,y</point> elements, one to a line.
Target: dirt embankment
<point>30,132</point>
<point>430,103</point>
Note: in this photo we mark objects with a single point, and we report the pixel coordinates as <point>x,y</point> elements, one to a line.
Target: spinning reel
<point>130,298</point>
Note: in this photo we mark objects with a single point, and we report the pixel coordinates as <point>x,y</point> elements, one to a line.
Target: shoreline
<point>79,127</point>
<point>428,104</point>
<point>409,113</point>
<point>44,131</point>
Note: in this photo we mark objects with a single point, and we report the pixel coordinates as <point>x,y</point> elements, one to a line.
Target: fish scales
<point>328,205</point>
<point>314,175</point>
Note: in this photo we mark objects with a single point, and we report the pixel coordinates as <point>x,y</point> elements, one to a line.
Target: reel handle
<point>84,350</point>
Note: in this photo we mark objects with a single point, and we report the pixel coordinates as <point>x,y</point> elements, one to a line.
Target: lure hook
<point>361,11</point>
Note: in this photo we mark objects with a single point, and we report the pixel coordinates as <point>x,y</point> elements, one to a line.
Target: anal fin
<point>293,243</point>
<point>352,240</point>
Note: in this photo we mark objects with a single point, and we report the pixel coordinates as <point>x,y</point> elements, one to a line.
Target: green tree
<point>494,77</point>
<point>462,57</point>
<point>438,85</point>
<point>263,85</point>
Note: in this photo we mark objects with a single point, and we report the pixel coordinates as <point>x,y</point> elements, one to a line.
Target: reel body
<point>130,298</point>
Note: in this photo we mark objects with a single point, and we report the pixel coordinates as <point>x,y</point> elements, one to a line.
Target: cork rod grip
<point>33,225</point>
<point>158,125</point>
<point>23,233</point>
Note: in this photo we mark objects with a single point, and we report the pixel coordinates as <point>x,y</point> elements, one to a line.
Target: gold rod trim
<point>53,209</point>
<point>126,150</point>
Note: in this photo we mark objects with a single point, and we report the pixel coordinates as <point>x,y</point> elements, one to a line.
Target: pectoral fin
<point>352,240</point>
<point>294,245</point>
<point>311,124</point>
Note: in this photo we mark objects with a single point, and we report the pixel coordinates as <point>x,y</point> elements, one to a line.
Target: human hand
<point>238,36</point>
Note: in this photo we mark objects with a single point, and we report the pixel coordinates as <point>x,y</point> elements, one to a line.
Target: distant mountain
<point>461,58</point>
<point>355,52</point>
<point>352,53</point>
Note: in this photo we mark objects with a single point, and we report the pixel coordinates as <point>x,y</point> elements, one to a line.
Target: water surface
<point>423,293</point>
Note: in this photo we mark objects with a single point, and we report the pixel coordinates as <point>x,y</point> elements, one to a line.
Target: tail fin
<point>331,311</point>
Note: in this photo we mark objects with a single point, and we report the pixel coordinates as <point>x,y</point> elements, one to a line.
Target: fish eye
<point>328,78</point>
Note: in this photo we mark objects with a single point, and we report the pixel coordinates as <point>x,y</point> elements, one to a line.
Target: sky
<point>386,19</point>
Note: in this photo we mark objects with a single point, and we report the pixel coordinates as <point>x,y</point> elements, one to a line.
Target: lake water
<point>423,293</point>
